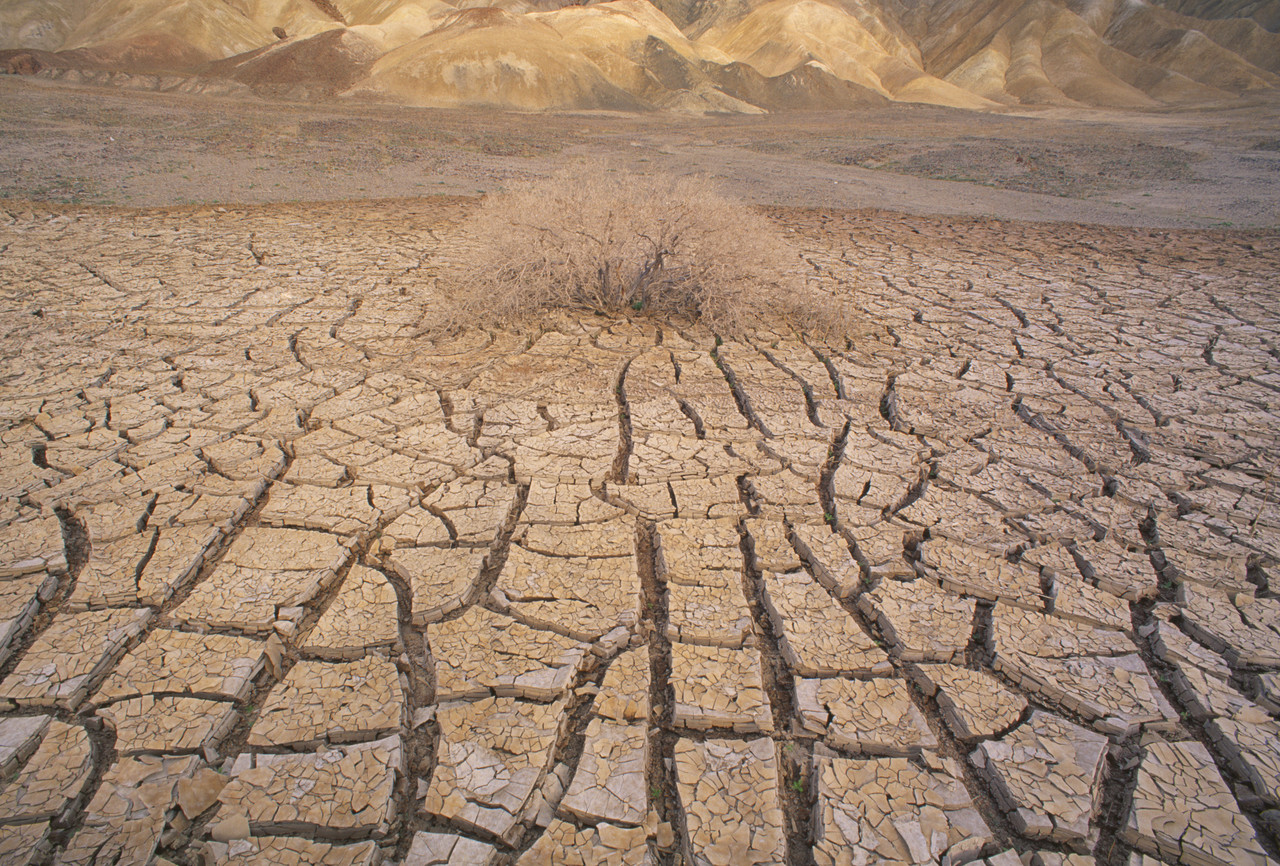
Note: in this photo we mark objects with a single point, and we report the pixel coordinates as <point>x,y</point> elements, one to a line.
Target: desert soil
<point>284,578</point>
<point>69,144</point>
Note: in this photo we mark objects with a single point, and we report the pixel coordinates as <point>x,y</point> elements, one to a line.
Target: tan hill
<point>164,34</point>
<point>294,17</point>
<point>40,24</point>
<point>1231,55</point>
<point>392,23</point>
<point>806,88</point>
<point>687,55</point>
<point>1120,53</point>
<point>783,35</point>
<point>1265,12</point>
<point>1042,53</point>
<point>322,65</point>
<point>489,57</point>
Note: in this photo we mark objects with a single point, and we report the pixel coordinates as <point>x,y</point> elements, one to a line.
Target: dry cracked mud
<point>285,579</point>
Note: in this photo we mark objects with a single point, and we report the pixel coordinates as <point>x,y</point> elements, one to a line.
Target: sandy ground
<point>1220,168</point>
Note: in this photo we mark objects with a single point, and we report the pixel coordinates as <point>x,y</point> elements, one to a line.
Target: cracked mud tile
<point>563,844</point>
<point>874,489</point>
<point>19,474</point>
<point>609,782</point>
<point>175,662</point>
<point>212,501</point>
<point>284,851</point>
<point>1051,858</point>
<point>882,546</point>
<point>1207,695</point>
<point>482,653</point>
<point>828,555</point>
<point>67,659</point>
<point>729,790</point>
<point>344,510</point>
<point>702,564</point>
<point>1116,694</point>
<point>1268,694</point>
<point>505,422</point>
<point>362,617</point>
<point>1182,811</point>
<point>316,471</point>
<point>493,756</point>
<point>1250,741</point>
<point>713,612</point>
<point>817,637</point>
<point>891,810</point>
<point>320,702</point>
<point>1222,573</point>
<point>1016,632</point>
<point>410,460</point>
<point>1077,600</point>
<point>772,546</point>
<point>1180,651</point>
<point>961,517</point>
<point>1211,617</point>
<point>574,453</point>
<point>124,821</point>
<point>20,736</point>
<point>1054,560</point>
<point>624,693</point>
<point>707,498</point>
<point>20,601</point>
<point>565,503</point>
<point>1005,486</point>
<point>606,538</point>
<point>151,724</point>
<point>441,849</point>
<point>1047,775</point>
<point>179,553</point>
<point>24,844</point>
<point>105,480</point>
<point>786,494</point>
<point>717,687</point>
<point>442,581</point>
<point>686,548</point>
<point>244,458</point>
<point>336,793</point>
<point>660,414</point>
<point>661,457</point>
<point>110,577</point>
<point>974,704</point>
<point>650,501</point>
<point>32,544</point>
<point>921,621</point>
<point>805,454</point>
<point>870,717</point>
<point>582,597</point>
<point>53,775</point>
<point>1118,569</point>
<point>967,570</point>
<point>476,510</point>
<point>264,570</point>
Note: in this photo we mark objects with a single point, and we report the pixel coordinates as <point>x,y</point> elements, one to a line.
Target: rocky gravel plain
<point>284,579</point>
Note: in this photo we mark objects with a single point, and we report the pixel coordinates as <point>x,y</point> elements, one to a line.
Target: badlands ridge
<point>694,55</point>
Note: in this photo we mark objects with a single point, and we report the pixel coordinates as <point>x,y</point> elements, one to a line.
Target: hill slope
<point>696,55</point>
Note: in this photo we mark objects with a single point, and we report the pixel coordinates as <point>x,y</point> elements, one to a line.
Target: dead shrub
<point>594,239</point>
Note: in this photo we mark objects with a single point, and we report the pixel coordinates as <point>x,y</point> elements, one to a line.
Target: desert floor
<point>1212,168</point>
<point>285,579</point>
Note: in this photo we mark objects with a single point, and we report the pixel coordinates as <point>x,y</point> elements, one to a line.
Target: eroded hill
<point>719,55</point>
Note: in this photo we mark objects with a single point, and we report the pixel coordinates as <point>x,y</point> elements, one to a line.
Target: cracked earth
<point>285,580</point>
